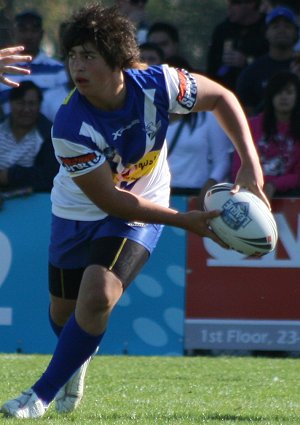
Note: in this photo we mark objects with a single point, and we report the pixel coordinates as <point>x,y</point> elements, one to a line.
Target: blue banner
<point>148,320</point>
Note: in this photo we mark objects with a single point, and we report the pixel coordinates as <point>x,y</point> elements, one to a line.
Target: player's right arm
<point>98,185</point>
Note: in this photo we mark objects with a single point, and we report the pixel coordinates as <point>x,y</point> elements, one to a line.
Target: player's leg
<point>64,286</point>
<point>100,290</point>
<point>130,259</point>
<point>77,343</point>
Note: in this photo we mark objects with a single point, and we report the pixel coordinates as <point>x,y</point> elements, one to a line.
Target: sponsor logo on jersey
<point>187,89</point>
<point>236,214</point>
<point>143,167</point>
<point>152,129</point>
<point>121,130</point>
<point>78,163</point>
<point>136,224</point>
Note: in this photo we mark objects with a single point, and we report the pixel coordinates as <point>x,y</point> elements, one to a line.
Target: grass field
<point>123,390</point>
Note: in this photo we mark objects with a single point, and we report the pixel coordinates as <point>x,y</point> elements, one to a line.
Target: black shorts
<point>122,256</point>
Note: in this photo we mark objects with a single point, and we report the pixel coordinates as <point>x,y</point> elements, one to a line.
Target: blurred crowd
<point>254,51</point>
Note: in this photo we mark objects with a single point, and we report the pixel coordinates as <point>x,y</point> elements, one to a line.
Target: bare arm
<point>229,113</point>
<point>9,56</point>
<point>98,185</point>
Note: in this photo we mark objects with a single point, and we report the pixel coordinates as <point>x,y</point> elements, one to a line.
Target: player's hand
<point>199,223</point>
<point>9,56</point>
<point>251,179</point>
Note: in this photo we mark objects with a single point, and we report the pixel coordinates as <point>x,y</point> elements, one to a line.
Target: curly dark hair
<point>112,34</point>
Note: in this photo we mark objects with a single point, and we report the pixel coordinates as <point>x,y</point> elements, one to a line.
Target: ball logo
<point>236,214</point>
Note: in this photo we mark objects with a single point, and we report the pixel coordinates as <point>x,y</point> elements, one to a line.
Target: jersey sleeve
<point>182,90</point>
<point>76,158</point>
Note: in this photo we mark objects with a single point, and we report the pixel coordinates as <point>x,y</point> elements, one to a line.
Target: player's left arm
<point>211,96</point>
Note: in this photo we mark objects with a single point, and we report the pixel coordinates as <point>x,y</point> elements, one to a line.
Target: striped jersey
<point>131,139</point>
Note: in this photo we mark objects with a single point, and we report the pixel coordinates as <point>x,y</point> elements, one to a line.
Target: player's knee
<point>102,293</point>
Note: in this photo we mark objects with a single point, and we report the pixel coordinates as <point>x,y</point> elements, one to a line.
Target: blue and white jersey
<point>131,139</point>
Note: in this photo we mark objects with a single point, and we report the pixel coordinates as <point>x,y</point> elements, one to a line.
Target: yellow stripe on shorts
<point>118,254</point>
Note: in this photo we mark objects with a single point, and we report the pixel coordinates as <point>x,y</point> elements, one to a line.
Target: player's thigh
<point>121,256</point>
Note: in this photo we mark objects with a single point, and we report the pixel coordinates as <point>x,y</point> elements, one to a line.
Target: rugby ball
<point>246,224</point>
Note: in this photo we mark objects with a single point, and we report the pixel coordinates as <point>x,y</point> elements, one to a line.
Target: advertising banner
<point>238,302</point>
<point>148,320</point>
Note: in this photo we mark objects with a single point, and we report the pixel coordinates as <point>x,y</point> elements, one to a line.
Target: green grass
<point>123,390</point>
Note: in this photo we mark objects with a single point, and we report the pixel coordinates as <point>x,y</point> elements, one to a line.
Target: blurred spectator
<point>294,5</point>
<point>135,10</point>
<point>276,132</point>
<point>26,153</point>
<point>236,41</point>
<point>179,62</point>
<point>53,98</point>
<point>46,72</point>
<point>6,22</point>
<point>166,36</point>
<point>267,5</point>
<point>198,154</point>
<point>151,54</point>
<point>282,34</point>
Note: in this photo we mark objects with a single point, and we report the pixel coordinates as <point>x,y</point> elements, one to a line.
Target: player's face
<point>89,72</point>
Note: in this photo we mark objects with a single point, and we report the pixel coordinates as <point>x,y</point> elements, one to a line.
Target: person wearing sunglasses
<point>236,41</point>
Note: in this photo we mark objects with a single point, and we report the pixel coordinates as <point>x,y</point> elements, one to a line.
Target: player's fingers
<point>264,197</point>
<point>16,70</point>
<point>235,188</point>
<point>14,58</point>
<point>11,51</point>
<point>8,82</point>
<point>207,215</point>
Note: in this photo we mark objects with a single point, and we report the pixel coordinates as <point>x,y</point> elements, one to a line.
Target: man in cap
<point>282,35</point>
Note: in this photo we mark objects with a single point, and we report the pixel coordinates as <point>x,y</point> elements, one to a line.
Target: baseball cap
<point>31,14</point>
<point>281,12</point>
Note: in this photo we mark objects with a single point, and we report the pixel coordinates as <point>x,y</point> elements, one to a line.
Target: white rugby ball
<point>246,224</point>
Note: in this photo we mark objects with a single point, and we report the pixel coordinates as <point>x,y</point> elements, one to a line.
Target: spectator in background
<point>276,133</point>
<point>46,72</point>
<point>282,34</point>
<point>135,10</point>
<point>267,5</point>
<point>294,5</point>
<point>151,54</point>
<point>166,36</point>
<point>198,154</point>
<point>236,41</point>
<point>26,154</point>
<point>54,97</point>
<point>6,22</point>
